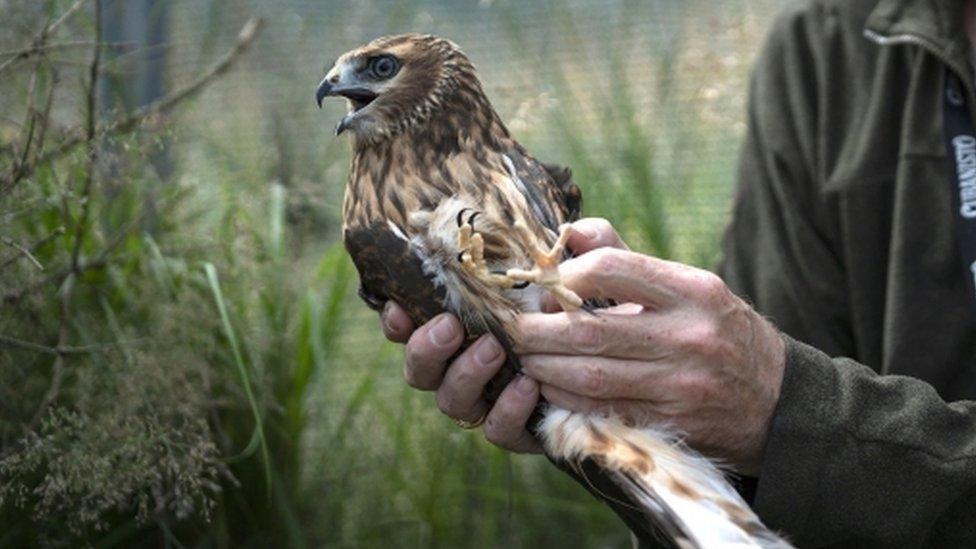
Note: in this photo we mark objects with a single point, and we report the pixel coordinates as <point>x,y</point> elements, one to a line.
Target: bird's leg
<point>546,270</point>
<point>472,255</point>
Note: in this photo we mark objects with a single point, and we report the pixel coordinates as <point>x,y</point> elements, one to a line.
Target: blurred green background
<point>183,359</point>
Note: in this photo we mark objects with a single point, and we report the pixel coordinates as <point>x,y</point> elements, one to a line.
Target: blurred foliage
<point>213,379</point>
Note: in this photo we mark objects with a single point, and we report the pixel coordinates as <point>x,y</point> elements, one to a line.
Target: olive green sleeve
<point>779,250</point>
<point>856,457</point>
<point>853,457</point>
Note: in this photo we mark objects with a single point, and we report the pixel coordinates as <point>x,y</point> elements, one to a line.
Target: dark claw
<point>587,308</point>
<point>520,285</point>
<point>460,217</point>
<point>460,257</point>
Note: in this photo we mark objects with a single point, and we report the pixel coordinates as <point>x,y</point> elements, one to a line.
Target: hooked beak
<point>324,89</point>
<point>359,97</point>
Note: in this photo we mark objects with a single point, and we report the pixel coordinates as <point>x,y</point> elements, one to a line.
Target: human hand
<point>683,352</point>
<point>460,385</point>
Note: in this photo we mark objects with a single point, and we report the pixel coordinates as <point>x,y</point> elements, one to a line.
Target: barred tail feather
<point>681,492</point>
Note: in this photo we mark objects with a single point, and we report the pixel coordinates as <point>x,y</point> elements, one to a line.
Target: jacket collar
<point>935,25</point>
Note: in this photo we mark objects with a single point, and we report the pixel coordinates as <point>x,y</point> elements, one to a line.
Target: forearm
<point>852,455</point>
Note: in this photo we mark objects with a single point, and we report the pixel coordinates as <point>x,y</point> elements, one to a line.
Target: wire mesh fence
<point>643,99</point>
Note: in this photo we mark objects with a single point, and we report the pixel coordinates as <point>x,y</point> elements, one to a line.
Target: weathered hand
<point>460,386</point>
<point>683,351</point>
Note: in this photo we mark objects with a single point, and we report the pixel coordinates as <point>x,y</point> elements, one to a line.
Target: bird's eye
<point>384,66</point>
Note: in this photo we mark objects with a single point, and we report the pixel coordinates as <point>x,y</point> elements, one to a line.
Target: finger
<point>397,326</point>
<point>609,273</point>
<point>610,334</point>
<point>634,413</point>
<point>505,424</point>
<point>460,394</point>
<point>549,304</point>
<point>592,233</point>
<point>428,350</point>
<point>600,377</point>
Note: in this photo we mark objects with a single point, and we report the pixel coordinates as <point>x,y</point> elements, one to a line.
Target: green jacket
<point>843,235</point>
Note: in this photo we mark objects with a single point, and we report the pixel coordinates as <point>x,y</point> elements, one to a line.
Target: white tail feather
<point>682,490</point>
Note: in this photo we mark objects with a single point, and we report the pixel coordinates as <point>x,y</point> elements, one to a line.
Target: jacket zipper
<point>927,45</point>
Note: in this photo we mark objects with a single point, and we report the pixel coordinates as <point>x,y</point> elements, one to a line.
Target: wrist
<point>769,365</point>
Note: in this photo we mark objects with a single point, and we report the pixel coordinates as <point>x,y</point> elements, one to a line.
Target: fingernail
<point>588,232</point>
<point>391,325</point>
<point>525,385</point>
<point>442,332</point>
<point>487,351</point>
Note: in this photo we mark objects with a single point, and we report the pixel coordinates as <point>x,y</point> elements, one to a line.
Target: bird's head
<point>396,83</point>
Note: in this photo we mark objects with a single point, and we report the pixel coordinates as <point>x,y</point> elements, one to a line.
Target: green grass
<point>258,438</point>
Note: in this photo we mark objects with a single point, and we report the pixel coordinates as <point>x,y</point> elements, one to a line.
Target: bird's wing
<point>569,198</point>
<point>549,189</point>
<point>389,268</point>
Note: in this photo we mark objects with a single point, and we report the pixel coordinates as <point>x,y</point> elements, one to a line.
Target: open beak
<point>358,96</point>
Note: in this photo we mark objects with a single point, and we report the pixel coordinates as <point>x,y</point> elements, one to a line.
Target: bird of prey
<point>445,210</point>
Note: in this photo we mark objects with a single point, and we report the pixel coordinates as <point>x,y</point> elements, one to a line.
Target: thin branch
<point>45,115</point>
<point>89,140</point>
<point>101,260</point>
<point>64,350</point>
<point>27,129</point>
<point>46,31</point>
<point>40,48</point>
<point>32,123</point>
<point>245,38</point>
<point>249,32</point>
<point>53,27</point>
<point>56,277</point>
<point>67,292</point>
<point>29,252</point>
<point>23,251</point>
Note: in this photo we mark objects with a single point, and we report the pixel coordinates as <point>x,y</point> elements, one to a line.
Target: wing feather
<point>548,188</point>
<point>390,268</point>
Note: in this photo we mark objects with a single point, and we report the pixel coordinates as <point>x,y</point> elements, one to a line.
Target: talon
<point>521,285</point>
<point>460,216</point>
<point>471,219</point>
<point>472,254</point>
<point>546,270</point>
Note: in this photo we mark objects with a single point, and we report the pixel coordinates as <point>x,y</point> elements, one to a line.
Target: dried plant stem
<point>29,253</point>
<point>36,124</point>
<point>30,119</point>
<point>97,262</point>
<point>247,35</point>
<point>41,48</point>
<point>66,350</point>
<point>24,252</point>
<point>45,115</point>
<point>249,32</point>
<point>67,290</point>
<point>37,44</point>
<point>56,277</point>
